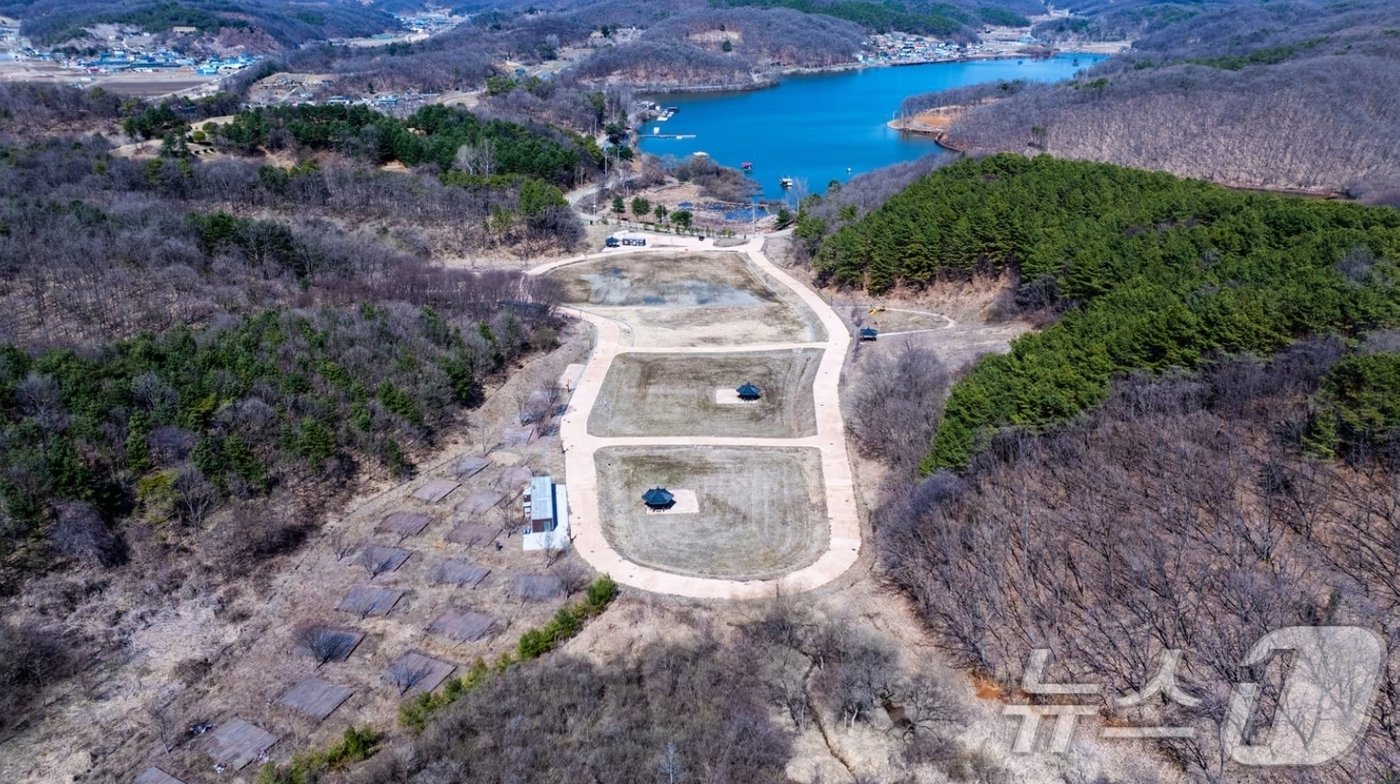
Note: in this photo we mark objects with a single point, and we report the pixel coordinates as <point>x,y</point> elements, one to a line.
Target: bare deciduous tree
<point>360,604</point>
<point>80,532</point>
<point>671,770</point>
<point>476,159</point>
<point>377,560</point>
<point>194,496</point>
<point>896,404</point>
<point>406,673</point>
<point>572,574</point>
<point>164,722</point>
<point>323,643</point>
<point>1233,533</point>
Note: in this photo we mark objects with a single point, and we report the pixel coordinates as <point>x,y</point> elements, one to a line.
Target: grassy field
<point>682,299</point>
<point>674,395</point>
<point>762,512</point>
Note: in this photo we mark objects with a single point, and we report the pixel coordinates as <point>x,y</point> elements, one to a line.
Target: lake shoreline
<point>769,79</point>
<point>850,105</point>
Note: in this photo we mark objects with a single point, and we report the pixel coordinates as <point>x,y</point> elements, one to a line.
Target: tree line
<point>1148,272</point>
<point>433,134</point>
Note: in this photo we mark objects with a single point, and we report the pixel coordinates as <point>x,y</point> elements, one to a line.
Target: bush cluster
<point>534,643</point>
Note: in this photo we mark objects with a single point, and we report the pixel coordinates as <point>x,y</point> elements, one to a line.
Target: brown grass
<point>762,511</point>
<point>674,395</point>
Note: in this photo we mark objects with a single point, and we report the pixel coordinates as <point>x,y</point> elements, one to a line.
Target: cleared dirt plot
<point>463,626</point>
<point>473,534</point>
<point>455,571</point>
<point>470,465</point>
<point>238,743</point>
<point>435,490</point>
<point>536,587</point>
<point>675,395</point>
<point>376,559</point>
<point>414,672</point>
<point>314,697</point>
<point>686,299</point>
<point>762,512</point>
<point>515,478</point>
<point>366,600</point>
<point>403,524</point>
<point>325,644</point>
<point>156,776</point>
<point>480,502</point>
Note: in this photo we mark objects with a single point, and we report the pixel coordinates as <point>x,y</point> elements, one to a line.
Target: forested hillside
<point>1292,95</point>
<point>438,135</point>
<point>1149,272</point>
<point>200,358</point>
<point>724,46</point>
<point>72,210</point>
<point>1203,444</point>
<point>282,24</point>
<point>958,20</point>
<point>1189,513</point>
<point>723,43</point>
<point>131,289</point>
<point>169,426</point>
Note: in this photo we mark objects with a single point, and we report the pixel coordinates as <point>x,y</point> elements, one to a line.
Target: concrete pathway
<point>580,446</point>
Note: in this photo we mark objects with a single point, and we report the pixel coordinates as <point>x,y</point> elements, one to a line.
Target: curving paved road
<point>579,445</point>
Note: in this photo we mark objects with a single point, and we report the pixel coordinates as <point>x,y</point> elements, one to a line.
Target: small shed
<point>869,334</point>
<point>658,498</point>
<point>540,497</point>
<point>749,392</point>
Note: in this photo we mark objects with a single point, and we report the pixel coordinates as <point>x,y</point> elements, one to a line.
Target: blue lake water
<point>814,128</point>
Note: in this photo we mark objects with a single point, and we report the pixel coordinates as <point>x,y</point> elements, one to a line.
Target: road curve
<point>843,519</point>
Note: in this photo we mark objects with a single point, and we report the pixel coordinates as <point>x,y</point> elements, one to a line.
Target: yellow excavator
<point>877,309</point>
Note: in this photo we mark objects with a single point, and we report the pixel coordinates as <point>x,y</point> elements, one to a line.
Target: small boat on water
<point>748,166</point>
<point>786,182</point>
